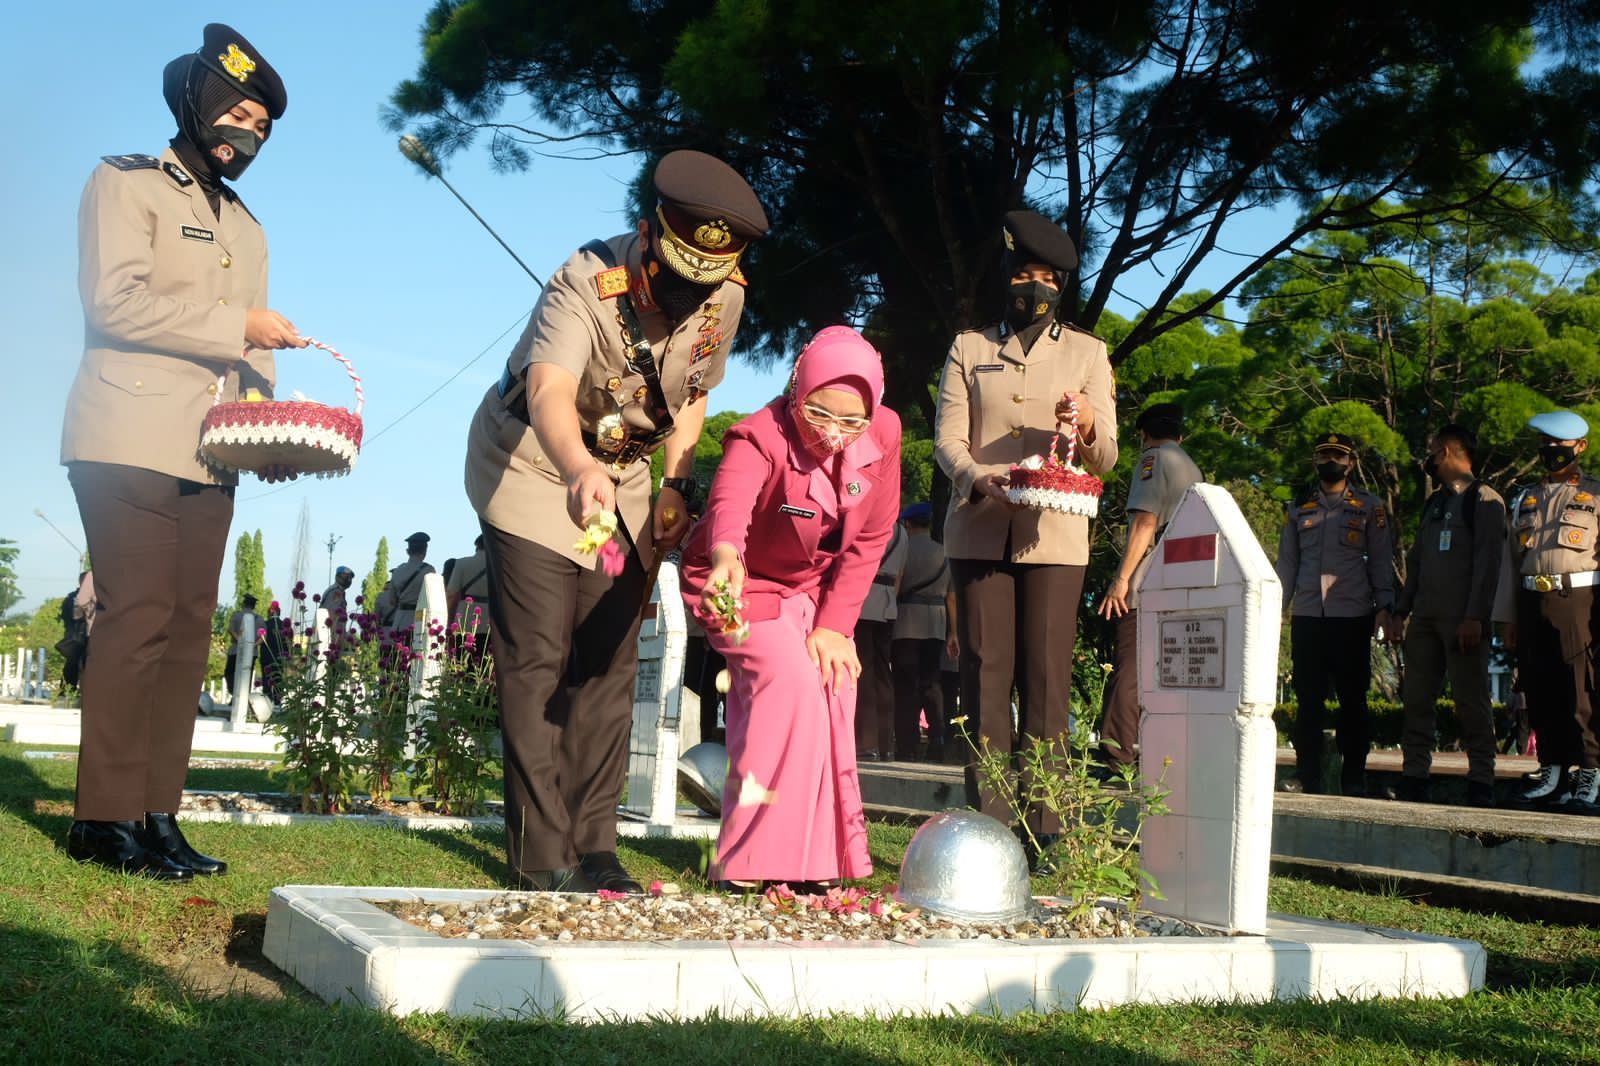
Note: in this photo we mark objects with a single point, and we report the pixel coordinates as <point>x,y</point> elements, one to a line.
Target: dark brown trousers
<point>916,689</point>
<point>1119,722</point>
<point>875,726</point>
<point>1018,625</point>
<point>157,544</point>
<point>1554,633</point>
<point>566,654</point>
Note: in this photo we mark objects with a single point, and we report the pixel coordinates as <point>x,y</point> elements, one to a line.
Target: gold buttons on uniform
<point>212,388</point>
<point>138,384</point>
<point>1016,432</point>
<point>1016,397</point>
<point>613,383</point>
<point>224,303</point>
<point>640,393</point>
<point>226,262</point>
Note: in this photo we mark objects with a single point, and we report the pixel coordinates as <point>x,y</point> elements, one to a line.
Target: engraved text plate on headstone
<point>1191,652</point>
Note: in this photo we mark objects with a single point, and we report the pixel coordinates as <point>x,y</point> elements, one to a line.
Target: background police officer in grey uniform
<point>923,627</point>
<point>1161,477</point>
<point>1546,600</point>
<point>876,737</point>
<point>1338,582</point>
<point>173,276</point>
<point>1452,573</point>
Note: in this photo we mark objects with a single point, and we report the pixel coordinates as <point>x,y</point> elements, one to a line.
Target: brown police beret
<point>227,53</point>
<point>1032,238</point>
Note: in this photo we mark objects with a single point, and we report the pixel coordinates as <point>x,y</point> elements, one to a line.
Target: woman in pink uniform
<point>802,507</point>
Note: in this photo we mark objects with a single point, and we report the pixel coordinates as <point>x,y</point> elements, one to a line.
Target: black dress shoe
<point>561,879</point>
<point>116,846</point>
<point>605,870</point>
<point>162,835</point>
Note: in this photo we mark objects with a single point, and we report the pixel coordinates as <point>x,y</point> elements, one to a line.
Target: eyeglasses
<point>822,418</point>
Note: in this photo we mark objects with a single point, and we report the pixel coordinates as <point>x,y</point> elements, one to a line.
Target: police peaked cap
<point>1161,420</point>
<point>227,54</point>
<point>1032,238</point>
<point>704,189</point>
<point>1338,441</point>
<point>1561,425</point>
<point>418,538</point>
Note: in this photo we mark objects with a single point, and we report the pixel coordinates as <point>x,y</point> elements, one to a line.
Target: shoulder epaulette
<point>738,278</point>
<point>611,282</point>
<point>233,197</point>
<point>132,161</point>
<point>1087,333</point>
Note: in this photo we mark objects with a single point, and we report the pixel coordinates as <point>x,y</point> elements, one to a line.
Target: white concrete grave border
<point>341,947</point>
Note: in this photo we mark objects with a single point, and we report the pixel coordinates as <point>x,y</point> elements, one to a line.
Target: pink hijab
<point>836,357</point>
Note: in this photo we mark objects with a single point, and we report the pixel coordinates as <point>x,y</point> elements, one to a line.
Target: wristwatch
<point>683,486</point>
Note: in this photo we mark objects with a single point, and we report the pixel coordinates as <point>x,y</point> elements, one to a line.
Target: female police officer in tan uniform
<point>1018,573</point>
<point>173,276</point>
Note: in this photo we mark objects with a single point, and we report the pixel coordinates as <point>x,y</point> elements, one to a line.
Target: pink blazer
<point>795,529</point>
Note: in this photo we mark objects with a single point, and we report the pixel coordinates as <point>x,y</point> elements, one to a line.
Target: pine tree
<point>374,582</point>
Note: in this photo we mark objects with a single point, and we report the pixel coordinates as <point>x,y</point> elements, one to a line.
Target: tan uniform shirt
<point>1553,531</point>
<point>1163,474</point>
<point>165,285</point>
<point>509,481</point>
<point>997,407</point>
<point>470,578</point>
<point>880,604</point>
<point>1453,568</point>
<point>1334,556</point>
<point>333,600</point>
<point>923,583</point>
<point>398,600</point>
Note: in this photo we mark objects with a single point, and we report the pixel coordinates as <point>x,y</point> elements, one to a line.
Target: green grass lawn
<point>97,967</point>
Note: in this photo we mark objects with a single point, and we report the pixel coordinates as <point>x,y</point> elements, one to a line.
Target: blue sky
<point>368,254</point>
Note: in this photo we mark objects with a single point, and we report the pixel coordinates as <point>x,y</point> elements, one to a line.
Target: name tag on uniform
<point>798,512</point>
<point>1444,540</point>
<point>195,233</point>
<point>986,368</point>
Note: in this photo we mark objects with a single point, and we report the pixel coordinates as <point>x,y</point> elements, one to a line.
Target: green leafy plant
<point>1094,855</point>
<point>455,760</point>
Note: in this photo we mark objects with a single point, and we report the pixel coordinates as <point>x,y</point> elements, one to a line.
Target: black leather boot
<point>116,846</point>
<point>604,869</point>
<point>162,835</point>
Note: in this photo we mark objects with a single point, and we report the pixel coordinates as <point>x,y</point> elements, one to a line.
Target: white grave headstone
<point>244,667</point>
<point>1209,615</point>
<point>431,611</point>
<point>662,711</point>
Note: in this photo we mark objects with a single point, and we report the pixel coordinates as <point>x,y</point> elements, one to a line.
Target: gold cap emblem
<point>694,260</point>
<point>714,234</point>
<point>237,63</point>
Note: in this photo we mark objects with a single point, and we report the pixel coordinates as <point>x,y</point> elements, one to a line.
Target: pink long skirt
<point>791,810</point>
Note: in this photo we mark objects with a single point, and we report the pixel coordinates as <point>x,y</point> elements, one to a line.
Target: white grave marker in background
<point>1209,614</point>
<point>431,609</point>
<point>662,710</point>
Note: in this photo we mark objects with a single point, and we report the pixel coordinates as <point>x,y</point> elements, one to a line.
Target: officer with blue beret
<point>1546,604</point>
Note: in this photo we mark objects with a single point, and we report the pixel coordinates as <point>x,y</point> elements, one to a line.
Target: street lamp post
<point>413,149</point>
<point>83,562</point>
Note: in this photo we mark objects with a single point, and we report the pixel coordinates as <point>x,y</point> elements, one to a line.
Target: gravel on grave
<point>566,917</point>
<point>283,803</point>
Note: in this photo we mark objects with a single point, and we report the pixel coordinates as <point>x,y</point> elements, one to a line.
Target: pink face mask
<point>823,434</point>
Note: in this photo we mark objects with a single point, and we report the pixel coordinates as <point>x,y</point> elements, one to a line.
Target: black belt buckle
<point>632,448</point>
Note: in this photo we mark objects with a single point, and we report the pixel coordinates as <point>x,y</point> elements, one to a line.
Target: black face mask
<point>1029,301</point>
<point>1331,471</point>
<point>1557,456</point>
<point>230,149</point>
<point>676,295</point>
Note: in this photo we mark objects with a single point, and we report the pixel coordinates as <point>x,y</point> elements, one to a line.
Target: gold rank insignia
<point>237,63</point>
<point>738,278</point>
<point>1147,468</point>
<point>611,283</point>
<point>1309,505</point>
<point>1359,505</point>
<point>1530,501</point>
<point>1581,497</point>
<point>1525,539</point>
